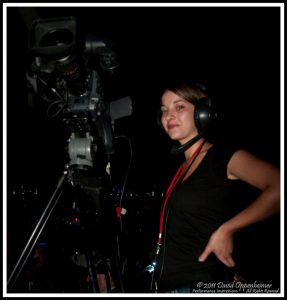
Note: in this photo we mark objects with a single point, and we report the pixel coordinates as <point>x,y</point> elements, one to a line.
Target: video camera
<point>61,75</point>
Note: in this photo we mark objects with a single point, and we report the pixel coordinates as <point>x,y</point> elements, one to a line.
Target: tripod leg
<point>92,273</point>
<point>36,233</point>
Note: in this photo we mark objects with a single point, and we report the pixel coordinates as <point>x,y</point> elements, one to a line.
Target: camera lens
<point>58,37</point>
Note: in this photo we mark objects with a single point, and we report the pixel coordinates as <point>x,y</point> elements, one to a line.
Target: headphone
<point>205,115</point>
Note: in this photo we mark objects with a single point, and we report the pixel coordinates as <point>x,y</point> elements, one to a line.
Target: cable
<point>118,259</point>
<point>126,177</point>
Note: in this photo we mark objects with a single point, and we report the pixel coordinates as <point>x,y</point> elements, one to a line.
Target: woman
<point>196,226</point>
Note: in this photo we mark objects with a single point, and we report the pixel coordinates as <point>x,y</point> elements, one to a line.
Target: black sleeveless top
<point>197,207</point>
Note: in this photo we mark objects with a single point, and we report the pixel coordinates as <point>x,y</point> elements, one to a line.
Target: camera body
<point>60,75</point>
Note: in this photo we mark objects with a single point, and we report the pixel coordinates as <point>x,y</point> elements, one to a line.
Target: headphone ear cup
<point>204,114</point>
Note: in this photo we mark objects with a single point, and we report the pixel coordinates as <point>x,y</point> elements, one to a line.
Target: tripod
<point>88,255</point>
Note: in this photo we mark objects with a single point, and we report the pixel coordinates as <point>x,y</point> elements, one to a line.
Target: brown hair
<point>186,89</point>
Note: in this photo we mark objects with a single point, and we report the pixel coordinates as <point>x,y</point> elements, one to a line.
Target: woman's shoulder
<point>225,150</point>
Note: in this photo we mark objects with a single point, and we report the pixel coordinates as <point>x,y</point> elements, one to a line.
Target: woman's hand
<point>221,244</point>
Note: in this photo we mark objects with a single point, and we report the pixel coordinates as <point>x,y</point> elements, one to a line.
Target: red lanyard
<point>176,179</point>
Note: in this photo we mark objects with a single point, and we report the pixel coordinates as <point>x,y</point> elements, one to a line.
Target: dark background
<point>235,51</point>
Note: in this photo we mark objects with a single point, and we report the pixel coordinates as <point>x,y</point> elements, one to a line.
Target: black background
<point>234,50</point>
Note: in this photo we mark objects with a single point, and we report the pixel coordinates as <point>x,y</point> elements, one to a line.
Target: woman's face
<point>177,117</point>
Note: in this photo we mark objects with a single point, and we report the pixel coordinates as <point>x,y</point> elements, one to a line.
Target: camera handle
<point>37,231</point>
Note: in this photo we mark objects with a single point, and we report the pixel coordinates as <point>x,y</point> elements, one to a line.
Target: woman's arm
<point>260,174</point>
